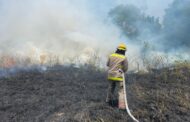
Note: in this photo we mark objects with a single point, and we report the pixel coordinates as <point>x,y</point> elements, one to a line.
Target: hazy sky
<point>150,7</point>
<point>56,26</point>
<point>102,7</point>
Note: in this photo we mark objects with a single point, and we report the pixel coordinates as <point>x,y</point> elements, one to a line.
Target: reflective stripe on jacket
<point>117,64</point>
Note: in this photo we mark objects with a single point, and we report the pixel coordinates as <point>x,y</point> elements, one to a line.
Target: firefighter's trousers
<point>116,86</point>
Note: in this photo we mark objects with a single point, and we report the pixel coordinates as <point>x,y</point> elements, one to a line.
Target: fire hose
<point>126,103</point>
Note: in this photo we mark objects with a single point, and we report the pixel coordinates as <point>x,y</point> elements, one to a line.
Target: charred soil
<point>68,94</point>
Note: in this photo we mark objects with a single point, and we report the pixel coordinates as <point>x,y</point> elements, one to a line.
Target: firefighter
<point>117,64</point>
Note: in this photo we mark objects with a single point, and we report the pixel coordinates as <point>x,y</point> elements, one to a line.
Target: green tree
<point>177,24</point>
<point>133,23</point>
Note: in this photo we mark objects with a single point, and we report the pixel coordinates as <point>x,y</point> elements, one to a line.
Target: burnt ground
<point>68,94</point>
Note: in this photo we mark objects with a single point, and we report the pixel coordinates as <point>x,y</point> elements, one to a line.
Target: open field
<point>68,94</point>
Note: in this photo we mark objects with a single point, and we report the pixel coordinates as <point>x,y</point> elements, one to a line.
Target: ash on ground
<point>69,94</point>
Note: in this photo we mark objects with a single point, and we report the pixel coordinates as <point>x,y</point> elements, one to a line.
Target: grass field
<point>68,94</point>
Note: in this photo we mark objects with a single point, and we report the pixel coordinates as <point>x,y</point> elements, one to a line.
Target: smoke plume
<point>77,29</point>
<point>62,28</point>
<point>177,26</point>
<point>167,34</point>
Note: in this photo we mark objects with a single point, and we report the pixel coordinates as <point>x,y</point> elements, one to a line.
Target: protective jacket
<point>117,64</point>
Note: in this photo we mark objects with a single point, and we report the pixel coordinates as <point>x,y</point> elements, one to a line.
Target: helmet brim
<point>122,49</point>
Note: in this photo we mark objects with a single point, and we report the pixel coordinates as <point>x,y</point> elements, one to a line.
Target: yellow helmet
<point>122,47</point>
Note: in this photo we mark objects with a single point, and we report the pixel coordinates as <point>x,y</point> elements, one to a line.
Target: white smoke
<point>60,27</point>
<point>67,28</point>
<point>150,7</point>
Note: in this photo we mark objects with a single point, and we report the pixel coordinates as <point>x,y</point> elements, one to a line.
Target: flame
<point>7,62</point>
<point>43,58</point>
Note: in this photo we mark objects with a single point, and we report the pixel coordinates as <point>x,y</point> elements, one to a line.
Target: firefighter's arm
<point>125,65</point>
